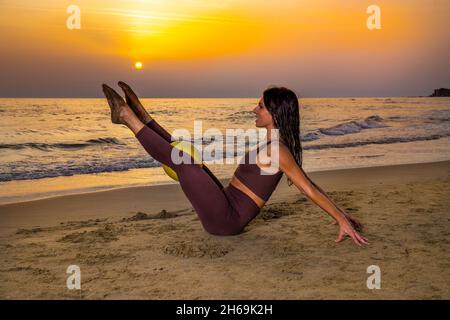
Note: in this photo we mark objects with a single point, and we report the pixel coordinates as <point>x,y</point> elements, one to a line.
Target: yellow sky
<point>239,36</point>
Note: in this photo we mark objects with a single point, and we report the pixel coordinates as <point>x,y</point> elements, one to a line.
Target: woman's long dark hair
<point>283,105</point>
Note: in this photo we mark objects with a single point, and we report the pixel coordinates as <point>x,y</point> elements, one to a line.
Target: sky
<point>224,48</point>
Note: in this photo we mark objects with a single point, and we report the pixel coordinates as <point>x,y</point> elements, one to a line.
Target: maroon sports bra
<point>251,175</point>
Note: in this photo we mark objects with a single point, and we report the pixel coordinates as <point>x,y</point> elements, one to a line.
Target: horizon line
<point>301,97</point>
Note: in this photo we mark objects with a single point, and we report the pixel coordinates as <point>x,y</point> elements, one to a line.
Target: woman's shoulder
<point>285,154</point>
<point>282,145</point>
<point>281,148</point>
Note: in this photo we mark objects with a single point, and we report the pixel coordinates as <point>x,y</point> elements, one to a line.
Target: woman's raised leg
<point>134,102</point>
<point>209,201</point>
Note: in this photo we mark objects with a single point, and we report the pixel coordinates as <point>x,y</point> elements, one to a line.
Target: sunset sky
<point>226,48</point>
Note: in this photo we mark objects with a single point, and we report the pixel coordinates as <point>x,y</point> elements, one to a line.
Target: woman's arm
<point>355,222</point>
<point>318,196</point>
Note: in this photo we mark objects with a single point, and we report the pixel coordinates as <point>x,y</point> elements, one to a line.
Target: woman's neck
<point>276,135</point>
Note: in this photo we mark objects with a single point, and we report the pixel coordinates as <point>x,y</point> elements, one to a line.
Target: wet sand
<point>147,243</point>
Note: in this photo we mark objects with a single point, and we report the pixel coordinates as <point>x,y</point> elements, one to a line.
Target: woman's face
<point>263,116</point>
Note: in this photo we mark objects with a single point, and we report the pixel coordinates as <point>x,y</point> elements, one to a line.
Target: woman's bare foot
<point>134,103</point>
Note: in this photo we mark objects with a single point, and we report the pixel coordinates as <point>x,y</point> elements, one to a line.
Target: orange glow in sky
<point>301,43</point>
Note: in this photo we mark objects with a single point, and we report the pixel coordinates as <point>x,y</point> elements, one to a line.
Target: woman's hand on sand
<point>356,224</point>
<point>346,228</point>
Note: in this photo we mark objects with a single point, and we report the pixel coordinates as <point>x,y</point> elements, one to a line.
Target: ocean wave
<point>74,145</point>
<point>61,169</point>
<point>439,120</point>
<point>388,100</point>
<point>311,136</point>
<point>241,116</point>
<point>28,172</point>
<point>348,127</point>
<point>395,118</point>
<point>439,116</point>
<point>387,140</point>
<point>354,126</point>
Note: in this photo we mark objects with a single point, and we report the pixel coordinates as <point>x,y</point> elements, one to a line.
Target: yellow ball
<point>188,148</point>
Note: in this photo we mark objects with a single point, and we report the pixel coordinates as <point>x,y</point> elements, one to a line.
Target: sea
<point>53,147</point>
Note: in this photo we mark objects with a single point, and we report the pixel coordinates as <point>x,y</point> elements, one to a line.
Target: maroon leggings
<point>222,211</point>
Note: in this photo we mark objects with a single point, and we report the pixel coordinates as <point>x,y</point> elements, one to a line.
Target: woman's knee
<point>185,169</point>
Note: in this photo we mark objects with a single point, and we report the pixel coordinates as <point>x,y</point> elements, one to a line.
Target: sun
<point>138,65</point>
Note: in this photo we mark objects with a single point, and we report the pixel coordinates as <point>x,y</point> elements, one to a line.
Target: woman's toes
<point>134,103</point>
<point>115,102</point>
<point>130,96</point>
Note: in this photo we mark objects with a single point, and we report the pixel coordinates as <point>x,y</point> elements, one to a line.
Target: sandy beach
<point>359,93</point>
<point>147,243</point>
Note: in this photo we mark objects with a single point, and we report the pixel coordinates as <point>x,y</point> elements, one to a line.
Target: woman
<point>226,211</point>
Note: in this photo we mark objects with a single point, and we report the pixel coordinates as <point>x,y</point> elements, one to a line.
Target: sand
<point>147,243</point>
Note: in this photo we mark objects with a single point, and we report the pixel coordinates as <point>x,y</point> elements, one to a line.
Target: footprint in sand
<point>274,212</point>
<point>44,275</point>
<point>28,232</point>
<point>197,249</point>
<point>106,233</point>
<point>100,258</point>
<point>70,225</point>
<point>163,214</point>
